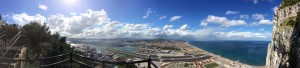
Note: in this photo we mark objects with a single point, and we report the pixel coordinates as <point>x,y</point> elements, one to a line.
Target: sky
<point>148,19</point>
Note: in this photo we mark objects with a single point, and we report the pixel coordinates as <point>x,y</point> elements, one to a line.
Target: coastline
<point>220,60</point>
<point>186,47</point>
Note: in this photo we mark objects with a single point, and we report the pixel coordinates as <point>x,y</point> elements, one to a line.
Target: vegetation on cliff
<point>291,21</point>
<point>286,3</point>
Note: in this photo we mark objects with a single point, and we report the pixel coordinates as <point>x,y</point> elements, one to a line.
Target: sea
<point>248,52</point>
<point>99,44</point>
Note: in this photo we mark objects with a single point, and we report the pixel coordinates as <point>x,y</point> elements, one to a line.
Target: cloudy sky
<point>147,19</point>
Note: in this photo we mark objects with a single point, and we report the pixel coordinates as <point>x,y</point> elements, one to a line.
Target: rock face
<point>284,49</point>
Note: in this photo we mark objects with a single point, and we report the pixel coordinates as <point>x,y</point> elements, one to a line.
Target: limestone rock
<point>284,51</point>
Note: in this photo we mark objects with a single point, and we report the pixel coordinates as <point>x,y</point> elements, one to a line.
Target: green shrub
<point>286,3</point>
<point>186,65</point>
<point>290,22</point>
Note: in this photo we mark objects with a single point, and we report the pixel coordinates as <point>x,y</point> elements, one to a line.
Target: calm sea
<point>107,43</point>
<point>248,52</point>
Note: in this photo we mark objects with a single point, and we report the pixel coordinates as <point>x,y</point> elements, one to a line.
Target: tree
<point>39,40</point>
<point>36,34</point>
<point>58,44</point>
<point>10,32</point>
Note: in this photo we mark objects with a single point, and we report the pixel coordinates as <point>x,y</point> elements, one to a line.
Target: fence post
<point>149,61</point>
<point>102,64</point>
<point>5,40</point>
<point>41,60</point>
<point>71,58</point>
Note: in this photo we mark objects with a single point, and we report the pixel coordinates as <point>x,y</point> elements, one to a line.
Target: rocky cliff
<point>284,50</point>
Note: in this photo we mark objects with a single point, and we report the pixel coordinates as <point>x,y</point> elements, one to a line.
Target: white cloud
<point>203,23</point>
<point>274,8</point>
<point>184,27</point>
<point>43,7</point>
<point>5,16</point>
<point>162,17</point>
<point>72,13</point>
<point>135,26</point>
<point>223,21</point>
<point>255,1</point>
<point>244,16</point>
<point>266,22</point>
<point>262,22</point>
<point>149,11</point>
<point>258,16</point>
<point>167,26</point>
<point>234,35</point>
<point>97,25</point>
<point>232,12</point>
<point>74,24</point>
<point>174,18</point>
<point>23,18</point>
<point>261,29</point>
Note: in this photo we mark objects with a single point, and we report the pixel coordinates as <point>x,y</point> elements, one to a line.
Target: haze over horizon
<point>167,19</point>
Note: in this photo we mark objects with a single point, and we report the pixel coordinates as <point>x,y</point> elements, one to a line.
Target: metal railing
<point>11,43</point>
<point>72,59</point>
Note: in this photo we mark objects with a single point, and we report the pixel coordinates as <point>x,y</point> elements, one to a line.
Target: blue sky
<point>170,19</point>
